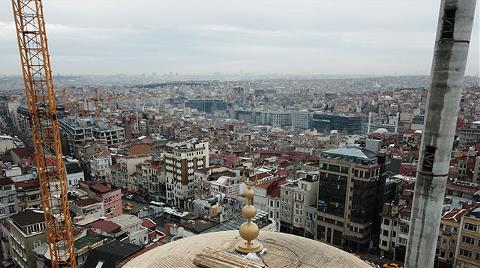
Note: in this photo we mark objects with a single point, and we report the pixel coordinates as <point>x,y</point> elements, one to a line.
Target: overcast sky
<point>372,37</point>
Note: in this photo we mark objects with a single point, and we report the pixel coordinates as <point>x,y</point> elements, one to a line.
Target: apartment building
<point>26,232</point>
<point>448,234</point>
<point>124,173</point>
<point>295,198</point>
<point>111,197</point>
<point>8,198</point>
<point>77,130</point>
<point>469,135</point>
<point>395,225</point>
<point>87,208</point>
<point>228,184</point>
<point>74,173</point>
<point>350,198</point>
<point>87,150</point>
<point>74,132</point>
<point>267,198</point>
<point>28,194</point>
<point>467,254</point>
<point>100,167</point>
<point>154,179</point>
<point>182,159</point>
<point>112,134</point>
<point>132,226</point>
<point>468,166</point>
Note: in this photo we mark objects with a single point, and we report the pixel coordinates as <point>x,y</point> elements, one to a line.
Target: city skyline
<point>301,38</point>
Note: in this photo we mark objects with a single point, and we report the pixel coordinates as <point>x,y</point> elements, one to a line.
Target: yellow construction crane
<point>42,109</point>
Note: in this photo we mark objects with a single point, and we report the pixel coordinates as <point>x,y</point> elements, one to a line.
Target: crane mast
<point>42,109</point>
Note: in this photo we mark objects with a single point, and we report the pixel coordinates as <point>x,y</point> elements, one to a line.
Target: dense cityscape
<point>238,169</point>
<point>151,163</point>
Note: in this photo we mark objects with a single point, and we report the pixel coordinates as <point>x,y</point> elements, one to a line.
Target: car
<point>129,196</point>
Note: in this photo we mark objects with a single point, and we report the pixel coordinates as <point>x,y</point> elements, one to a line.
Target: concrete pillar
<point>448,69</point>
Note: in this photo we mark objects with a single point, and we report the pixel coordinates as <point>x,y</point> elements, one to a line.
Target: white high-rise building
<point>182,159</point>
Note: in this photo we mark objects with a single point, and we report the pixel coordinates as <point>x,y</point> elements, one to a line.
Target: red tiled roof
<point>86,202</point>
<point>274,189</point>
<point>462,188</point>
<point>216,175</point>
<point>148,223</point>
<point>457,213</point>
<point>102,154</point>
<point>108,227</point>
<point>22,152</point>
<point>263,175</point>
<point>6,181</point>
<point>265,185</point>
<point>282,172</point>
<point>101,188</point>
<point>27,185</point>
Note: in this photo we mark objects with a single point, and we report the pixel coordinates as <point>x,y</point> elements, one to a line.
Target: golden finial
<point>249,230</point>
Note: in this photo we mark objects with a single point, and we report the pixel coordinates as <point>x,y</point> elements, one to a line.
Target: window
<point>385,232</point>
<point>470,227</point>
<point>384,243</point>
<point>465,253</point>
<point>394,223</point>
<point>394,234</point>
<point>468,240</point>
<point>7,188</point>
<point>386,221</point>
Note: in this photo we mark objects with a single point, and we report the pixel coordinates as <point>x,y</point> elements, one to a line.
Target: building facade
<point>28,194</point>
<point>467,254</point>
<point>342,123</point>
<point>110,196</point>
<point>469,135</point>
<point>301,120</point>
<point>350,197</point>
<point>295,198</point>
<point>100,167</point>
<point>154,179</point>
<point>8,198</point>
<point>76,131</point>
<point>181,161</point>
<point>27,232</point>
